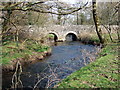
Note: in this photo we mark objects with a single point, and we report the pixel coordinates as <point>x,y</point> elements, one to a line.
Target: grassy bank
<point>11,51</point>
<point>103,73</point>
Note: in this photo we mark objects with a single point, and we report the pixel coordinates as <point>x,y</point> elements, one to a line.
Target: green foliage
<point>103,73</point>
<point>51,35</point>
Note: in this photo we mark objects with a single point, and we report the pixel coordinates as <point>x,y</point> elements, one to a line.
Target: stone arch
<point>55,35</point>
<point>71,34</point>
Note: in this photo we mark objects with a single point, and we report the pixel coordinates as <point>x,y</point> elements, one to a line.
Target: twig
<point>39,82</point>
<point>16,76</point>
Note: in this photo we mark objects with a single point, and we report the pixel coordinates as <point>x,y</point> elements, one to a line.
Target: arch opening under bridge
<point>53,36</point>
<point>71,36</point>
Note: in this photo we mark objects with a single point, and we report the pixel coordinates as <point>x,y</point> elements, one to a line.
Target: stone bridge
<point>60,32</point>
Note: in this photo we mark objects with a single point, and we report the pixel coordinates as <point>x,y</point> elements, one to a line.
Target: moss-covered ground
<point>11,51</point>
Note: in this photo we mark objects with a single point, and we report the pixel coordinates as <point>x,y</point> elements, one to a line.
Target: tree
<point>25,9</point>
<point>106,11</point>
<point>108,15</point>
<point>95,17</point>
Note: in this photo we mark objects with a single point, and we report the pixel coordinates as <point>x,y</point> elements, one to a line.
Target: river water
<point>66,58</point>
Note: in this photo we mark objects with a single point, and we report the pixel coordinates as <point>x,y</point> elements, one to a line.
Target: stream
<point>66,58</point>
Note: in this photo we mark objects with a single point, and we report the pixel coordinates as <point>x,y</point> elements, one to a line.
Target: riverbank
<point>26,53</point>
<point>93,39</point>
<point>103,73</point>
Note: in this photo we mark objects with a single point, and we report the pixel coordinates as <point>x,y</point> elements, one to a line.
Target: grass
<point>103,73</point>
<point>11,52</point>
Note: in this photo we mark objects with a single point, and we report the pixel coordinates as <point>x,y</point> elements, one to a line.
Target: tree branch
<point>43,11</point>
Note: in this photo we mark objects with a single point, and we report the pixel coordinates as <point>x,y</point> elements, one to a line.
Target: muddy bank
<point>28,59</point>
<point>90,42</point>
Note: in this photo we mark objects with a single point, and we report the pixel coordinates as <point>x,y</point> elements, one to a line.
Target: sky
<point>68,1</point>
<point>73,1</point>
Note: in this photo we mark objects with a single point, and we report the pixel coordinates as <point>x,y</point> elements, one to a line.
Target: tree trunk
<point>59,17</point>
<point>118,32</point>
<point>98,30</point>
<point>109,32</point>
<point>77,19</point>
<point>6,21</point>
<point>1,26</point>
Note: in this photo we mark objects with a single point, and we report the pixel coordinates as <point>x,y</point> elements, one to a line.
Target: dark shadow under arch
<point>71,37</point>
<point>54,37</point>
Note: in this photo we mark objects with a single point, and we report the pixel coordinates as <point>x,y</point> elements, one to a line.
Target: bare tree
<point>41,7</point>
<point>95,17</point>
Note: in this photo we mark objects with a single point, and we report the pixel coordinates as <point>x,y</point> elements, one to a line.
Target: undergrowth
<point>93,38</point>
